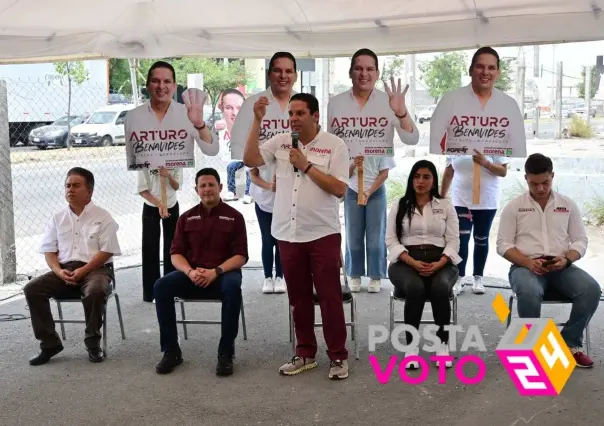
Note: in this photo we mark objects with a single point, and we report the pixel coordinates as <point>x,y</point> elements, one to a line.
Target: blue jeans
<point>176,284</point>
<point>481,221</point>
<point>268,242</point>
<point>366,224</point>
<point>231,170</point>
<point>573,283</point>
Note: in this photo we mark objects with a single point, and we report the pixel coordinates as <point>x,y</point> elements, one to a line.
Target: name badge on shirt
<point>525,209</point>
<point>438,211</point>
<point>194,218</point>
<point>561,210</point>
<point>226,218</point>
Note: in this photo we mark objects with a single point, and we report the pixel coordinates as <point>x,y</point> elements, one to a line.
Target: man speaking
<point>306,224</point>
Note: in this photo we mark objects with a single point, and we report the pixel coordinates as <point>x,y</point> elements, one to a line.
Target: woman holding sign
<point>365,118</point>
<point>160,139</point>
<point>477,126</point>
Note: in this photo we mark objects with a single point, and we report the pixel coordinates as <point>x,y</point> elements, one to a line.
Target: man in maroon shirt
<point>208,251</point>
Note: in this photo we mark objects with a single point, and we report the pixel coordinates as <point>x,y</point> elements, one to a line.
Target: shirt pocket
<point>93,235</point>
<point>284,167</point>
<point>321,163</point>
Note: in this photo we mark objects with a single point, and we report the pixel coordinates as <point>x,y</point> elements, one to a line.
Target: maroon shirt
<point>208,240</point>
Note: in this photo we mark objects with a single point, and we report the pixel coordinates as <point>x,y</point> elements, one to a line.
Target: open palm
<point>194,100</point>
<point>396,97</point>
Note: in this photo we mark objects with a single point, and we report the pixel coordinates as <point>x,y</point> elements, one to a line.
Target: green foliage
<point>395,189</point>
<point>74,71</point>
<point>504,83</point>
<point>443,73</point>
<point>595,210</point>
<point>579,128</point>
<point>594,86</point>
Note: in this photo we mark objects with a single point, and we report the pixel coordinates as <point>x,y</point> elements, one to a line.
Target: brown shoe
<point>338,369</point>
<point>297,365</point>
<point>583,361</point>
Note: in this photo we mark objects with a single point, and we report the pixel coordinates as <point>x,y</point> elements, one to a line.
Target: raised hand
<point>396,97</point>
<point>194,100</point>
<point>260,107</point>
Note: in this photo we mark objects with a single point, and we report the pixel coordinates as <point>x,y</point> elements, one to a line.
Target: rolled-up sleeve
<point>108,241</point>
<point>506,235</point>
<point>576,231</point>
<point>451,249</point>
<point>395,247</point>
<point>239,240</point>
<point>50,242</point>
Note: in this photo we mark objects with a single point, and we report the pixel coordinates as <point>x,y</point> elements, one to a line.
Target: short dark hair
<point>208,171</point>
<point>160,64</point>
<point>231,92</point>
<point>484,51</point>
<point>311,101</point>
<point>364,52</point>
<point>280,55</point>
<point>86,174</point>
<point>538,163</point>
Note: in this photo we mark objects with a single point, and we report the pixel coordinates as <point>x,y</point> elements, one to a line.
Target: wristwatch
<point>568,263</point>
<point>218,270</point>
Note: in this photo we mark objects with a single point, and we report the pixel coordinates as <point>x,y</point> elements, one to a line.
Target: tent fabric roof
<point>33,30</point>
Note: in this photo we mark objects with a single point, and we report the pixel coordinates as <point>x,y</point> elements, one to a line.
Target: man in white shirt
<point>282,75</point>
<point>310,181</point>
<point>162,116</point>
<point>542,234</point>
<point>78,243</point>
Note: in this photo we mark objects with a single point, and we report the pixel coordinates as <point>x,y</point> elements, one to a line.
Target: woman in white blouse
<point>422,237</point>
<point>157,216</point>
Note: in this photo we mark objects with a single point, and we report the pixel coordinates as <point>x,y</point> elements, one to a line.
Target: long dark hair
<point>408,202</point>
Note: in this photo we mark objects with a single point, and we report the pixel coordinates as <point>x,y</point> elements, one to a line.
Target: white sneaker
<point>413,365</point>
<point>443,350</point>
<point>355,284</point>
<point>247,199</point>
<point>230,196</point>
<point>268,286</point>
<point>374,286</point>
<point>280,285</point>
<point>477,287</point>
<point>458,287</point>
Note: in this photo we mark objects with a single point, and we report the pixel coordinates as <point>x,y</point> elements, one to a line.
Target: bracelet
<point>307,168</point>
<point>202,127</point>
<point>401,116</point>
<point>189,272</point>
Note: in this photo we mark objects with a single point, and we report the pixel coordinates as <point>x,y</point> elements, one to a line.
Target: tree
<point>504,82</point>
<point>443,73</point>
<point>392,68</point>
<point>75,72</point>
<point>119,75</point>
<point>594,85</point>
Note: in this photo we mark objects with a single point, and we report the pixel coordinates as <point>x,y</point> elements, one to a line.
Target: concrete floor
<point>124,390</point>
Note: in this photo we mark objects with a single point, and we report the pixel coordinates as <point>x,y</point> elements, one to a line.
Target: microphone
<point>295,139</point>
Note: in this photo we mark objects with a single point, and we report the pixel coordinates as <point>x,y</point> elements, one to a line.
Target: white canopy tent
<point>32,30</point>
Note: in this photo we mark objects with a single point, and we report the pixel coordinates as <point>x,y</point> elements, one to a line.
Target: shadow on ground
<point>125,389</point>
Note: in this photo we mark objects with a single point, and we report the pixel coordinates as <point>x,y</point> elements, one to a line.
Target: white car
<point>105,127</point>
<point>426,114</point>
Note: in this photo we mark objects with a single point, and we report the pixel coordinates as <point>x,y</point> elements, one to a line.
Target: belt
<point>423,247</point>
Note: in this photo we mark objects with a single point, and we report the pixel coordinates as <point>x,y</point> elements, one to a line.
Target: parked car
<point>426,114</point>
<point>54,135</point>
<point>581,108</point>
<point>105,127</point>
<point>118,98</point>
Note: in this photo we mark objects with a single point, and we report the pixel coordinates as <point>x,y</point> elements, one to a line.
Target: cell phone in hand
<point>549,260</point>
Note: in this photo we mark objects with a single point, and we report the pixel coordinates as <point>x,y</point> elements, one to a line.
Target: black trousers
<point>151,236</point>
<point>417,289</point>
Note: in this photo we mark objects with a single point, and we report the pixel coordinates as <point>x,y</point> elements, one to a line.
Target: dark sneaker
<point>224,367</point>
<point>583,361</point>
<point>95,354</point>
<point>169,362</point>
<point>45,354</point>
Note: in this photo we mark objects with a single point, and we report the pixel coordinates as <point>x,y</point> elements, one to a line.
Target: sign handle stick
<point>476,184</point>
<point>361,178</point>
<point>164,193</point>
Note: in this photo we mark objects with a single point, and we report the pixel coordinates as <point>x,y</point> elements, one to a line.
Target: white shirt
<point>80,238</point>
<point>536,232</point>
<point>175,122</point>
<point>372,166</point>
<point>438,226</point>
<point>369,130</point>
<point>303,211</point>
<point>460,123</point>
<point>463,179</point>
<point>275,122</point>
<point>148,180</point>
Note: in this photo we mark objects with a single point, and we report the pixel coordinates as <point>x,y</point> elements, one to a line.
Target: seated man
<point>208,250</point>
<point>542,234</point>
<point>78,242</point>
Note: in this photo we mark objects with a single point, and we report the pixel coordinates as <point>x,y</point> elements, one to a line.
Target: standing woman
<point>154,214</point>
<point>423,241</point>
<point>360,114</point>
